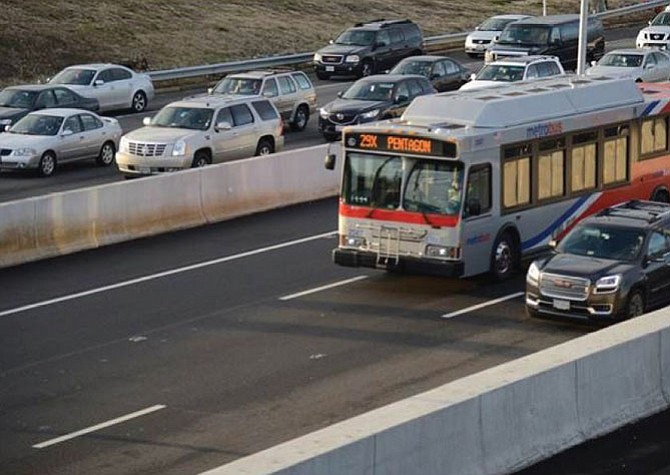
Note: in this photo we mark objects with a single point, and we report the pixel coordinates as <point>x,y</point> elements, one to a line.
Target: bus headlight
<point>608,284</point>
<point>533,275</point>
<point>443,252</point>
<point>352,241</point>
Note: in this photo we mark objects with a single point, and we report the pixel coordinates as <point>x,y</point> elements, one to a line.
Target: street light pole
<point>544,7</point>
<point>581,51</point>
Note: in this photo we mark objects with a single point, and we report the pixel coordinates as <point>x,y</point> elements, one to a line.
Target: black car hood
<point>343,49</point>
<point>517,47</point>
<point>583,266</point>
<point>9,112</point>
<point>355,105</point>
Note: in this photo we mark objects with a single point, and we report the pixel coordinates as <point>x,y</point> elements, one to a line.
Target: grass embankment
<point>38,38</point>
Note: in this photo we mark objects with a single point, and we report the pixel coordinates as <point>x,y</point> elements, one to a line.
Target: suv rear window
<point>265,110</point>
<point>301,79</point>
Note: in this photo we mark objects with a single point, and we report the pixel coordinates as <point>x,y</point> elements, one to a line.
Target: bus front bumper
<point>355,258</point>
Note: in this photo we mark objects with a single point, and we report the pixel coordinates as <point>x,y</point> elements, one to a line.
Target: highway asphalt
<point>181,352</point>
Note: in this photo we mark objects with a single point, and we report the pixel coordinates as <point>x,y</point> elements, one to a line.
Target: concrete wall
<point>62,223</point>
<point>496,421</point>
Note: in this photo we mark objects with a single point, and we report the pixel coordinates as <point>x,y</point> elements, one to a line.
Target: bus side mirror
<point>474,207</point>
<point>329,162</point>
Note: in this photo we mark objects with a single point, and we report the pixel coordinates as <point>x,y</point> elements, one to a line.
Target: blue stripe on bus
<point>552,227</point>
<point>647,110</point>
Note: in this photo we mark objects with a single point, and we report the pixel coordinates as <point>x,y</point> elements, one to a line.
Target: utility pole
<point>544,7</point>
<point>581,52</point>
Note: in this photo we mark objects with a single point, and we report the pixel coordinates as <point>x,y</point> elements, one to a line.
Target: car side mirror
<point>434,76</point>
<point>474,207</point>
<point>329,161</point>
<point>223,125</point>
<point>649,23</point>
<point>473,76</point>
<point>401,98</point>
<point>339,94</point>
<point>648,66</point>
<point>99,82</point>
<point>146,121</point>
<point>553,243</point>
<point>331,42</point>
<point>67,133</point>
<point>554,42</point>
<point>7,127</point>
<point>210,90</point>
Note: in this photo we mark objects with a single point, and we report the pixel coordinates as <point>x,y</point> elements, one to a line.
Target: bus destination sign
<point>400,144</point>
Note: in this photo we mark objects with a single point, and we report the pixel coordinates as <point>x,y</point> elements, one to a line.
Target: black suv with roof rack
<point>369,47</point>
<point>612,266</point>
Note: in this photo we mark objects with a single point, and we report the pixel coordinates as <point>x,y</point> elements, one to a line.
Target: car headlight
<point>25,152</point>
<point>317,57</point>
<point>324,113</point>
<point>608,284</point>
<point>179,148</point>
<point>533,275</point>
<point>444,252</point>
<point>5,121</point>
<point>123,145</point>
<point>370,114</point>
<point>352,58</point>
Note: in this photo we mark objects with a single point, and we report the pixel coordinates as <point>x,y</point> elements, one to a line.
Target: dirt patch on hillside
<point>39,38</point>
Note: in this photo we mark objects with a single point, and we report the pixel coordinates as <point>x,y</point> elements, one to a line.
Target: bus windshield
<point>376,181</point>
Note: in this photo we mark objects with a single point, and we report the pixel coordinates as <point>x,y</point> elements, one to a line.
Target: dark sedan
<point>18,101</point>
<point>444,73</point>
<point>377,97</point>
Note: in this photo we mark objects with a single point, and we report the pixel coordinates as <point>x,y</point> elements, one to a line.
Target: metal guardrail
<point>301,58</point>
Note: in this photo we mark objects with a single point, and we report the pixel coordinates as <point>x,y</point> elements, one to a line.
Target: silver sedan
<point>643,65</point>
<point>114,86</point>
<point>43,140</point>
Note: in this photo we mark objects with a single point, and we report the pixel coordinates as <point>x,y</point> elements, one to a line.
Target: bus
<point>470,182</point>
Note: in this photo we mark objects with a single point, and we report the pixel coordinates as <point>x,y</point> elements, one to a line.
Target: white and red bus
<point>475,181</point>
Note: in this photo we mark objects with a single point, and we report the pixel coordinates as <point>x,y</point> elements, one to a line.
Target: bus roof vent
<point>448,126</point>
<point>515,93</point>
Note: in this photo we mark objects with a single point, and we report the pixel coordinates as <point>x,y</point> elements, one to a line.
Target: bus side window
<point>478,190</point>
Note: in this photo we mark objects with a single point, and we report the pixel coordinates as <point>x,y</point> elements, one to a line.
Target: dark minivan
<point>555,35</point>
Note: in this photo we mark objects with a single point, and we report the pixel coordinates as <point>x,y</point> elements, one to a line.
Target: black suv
<point>368,48</point>
<point>612,266</point>
<point>554,35</point>
<point>378,97</point>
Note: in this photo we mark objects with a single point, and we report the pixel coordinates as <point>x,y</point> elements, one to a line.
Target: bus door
<point>478,229</point>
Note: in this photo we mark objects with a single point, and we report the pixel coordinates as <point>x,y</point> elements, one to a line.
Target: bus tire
<point>661,195</point>
<point>504,256</point>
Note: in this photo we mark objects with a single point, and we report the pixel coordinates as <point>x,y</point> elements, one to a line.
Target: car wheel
<point>47,165</point>
<point>322,76</point>
<point>367,68</point>
<point>301,117</point>
<point>106,155</point>
<point>503,259</point>
<point>635,305</point>
<point>139,101</point>
<point>200,159</point>
<point>264,147</point>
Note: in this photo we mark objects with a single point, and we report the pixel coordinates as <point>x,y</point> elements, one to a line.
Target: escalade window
<point>265,110</point>
<point>241,114</point>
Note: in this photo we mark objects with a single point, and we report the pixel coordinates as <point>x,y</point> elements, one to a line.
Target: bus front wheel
<point>503,259</point>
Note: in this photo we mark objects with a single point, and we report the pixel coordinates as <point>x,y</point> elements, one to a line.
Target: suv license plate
<point>330,68</point>
<point>561,304</point>
<point>144,169</point>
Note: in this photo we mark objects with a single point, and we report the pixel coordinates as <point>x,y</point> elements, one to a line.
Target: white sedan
<point>43,140</point>
<point>115,87</point>
<point>643,65</point>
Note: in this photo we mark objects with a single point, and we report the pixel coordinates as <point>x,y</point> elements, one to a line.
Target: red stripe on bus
<point>398,216</point>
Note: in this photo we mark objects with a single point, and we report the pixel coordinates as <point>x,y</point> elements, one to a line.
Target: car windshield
<point>196,118</point>
<point>662,19</point>
<point>18,98</point>
<point>242,86</point>
<point>412,67</point>
<point>494,24</point>
<point>37,124</point>
<point>356,37</point>
<point>370,91</point>
<point>604,242</point>
<point>74,76</point>
<point>525,34</point>
<point>620,60</point>
<point>499,72</point>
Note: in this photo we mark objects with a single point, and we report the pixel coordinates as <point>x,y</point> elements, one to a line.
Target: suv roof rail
<point>649,211</point>
<point>363,23</point>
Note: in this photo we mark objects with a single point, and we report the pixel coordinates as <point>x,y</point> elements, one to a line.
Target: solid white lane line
<point>482,305</point>
<point>159,275</point>
<point>102,425</point>
<point>324,287</point>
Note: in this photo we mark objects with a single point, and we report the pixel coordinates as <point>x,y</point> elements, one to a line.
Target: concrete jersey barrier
<point>496,421</point>
<point>61,223</point>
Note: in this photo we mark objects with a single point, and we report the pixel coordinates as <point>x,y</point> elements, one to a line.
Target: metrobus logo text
<point>544,130</point>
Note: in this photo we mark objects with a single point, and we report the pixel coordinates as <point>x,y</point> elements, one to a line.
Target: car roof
<point>60,111</point>
<point>523,60</point>
<point>549,19</point>
<point>511,17</point>
<point>37,87</point>
<point>631,51</point>
<point>426,57</point>
<point>381,23</point>
<point>96,66</point>
<point>634,213</point>
<point>261,73</point>
<point>390,77</point>
<point>215,101</point>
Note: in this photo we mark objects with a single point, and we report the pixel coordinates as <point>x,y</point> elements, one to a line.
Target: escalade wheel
<point>200,160</point>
